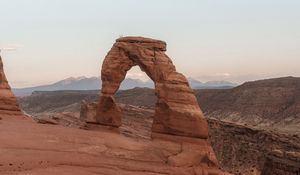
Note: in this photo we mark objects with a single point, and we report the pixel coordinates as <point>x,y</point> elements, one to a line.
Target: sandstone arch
<point>177,111</point>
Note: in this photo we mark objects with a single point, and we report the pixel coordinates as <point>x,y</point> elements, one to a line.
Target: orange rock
<point>8,102</point>
<point>177,111</point>
<point>88,112</point>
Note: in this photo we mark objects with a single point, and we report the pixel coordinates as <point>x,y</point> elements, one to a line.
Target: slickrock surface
<point>27,147</point>
<point>8,102</point>
<point>176,112</point>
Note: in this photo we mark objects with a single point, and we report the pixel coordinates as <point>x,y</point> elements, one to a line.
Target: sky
<point>232,40</point>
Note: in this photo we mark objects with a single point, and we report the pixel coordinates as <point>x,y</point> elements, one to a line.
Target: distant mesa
<point>8,102</point>
<point>264,104</point>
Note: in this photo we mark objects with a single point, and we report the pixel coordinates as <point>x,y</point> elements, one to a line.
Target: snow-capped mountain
<point>94,83</point>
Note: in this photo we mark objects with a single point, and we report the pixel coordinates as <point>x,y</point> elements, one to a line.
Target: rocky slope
<point>56,101</point>
<point>267,104</point>
<point>248,151</point>
<point>69,101</point>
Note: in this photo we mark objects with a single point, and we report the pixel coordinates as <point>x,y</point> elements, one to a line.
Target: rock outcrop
<point>176,112</point>
<point>8,102</point>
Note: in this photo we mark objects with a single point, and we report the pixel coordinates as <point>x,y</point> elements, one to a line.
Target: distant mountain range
<point>195,84</point>
<point>272,104</point>
<point>94,83</point>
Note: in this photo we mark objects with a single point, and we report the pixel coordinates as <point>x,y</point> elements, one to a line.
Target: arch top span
<point>176,112</point>
<point>151,43</point>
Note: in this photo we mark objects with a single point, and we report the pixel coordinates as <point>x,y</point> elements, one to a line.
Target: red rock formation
<point>72,151</point>
<point>177,111</point>
<point>8,102</point>
<point>88,111</point>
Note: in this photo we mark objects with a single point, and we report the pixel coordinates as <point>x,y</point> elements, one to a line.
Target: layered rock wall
<point>8,102</point>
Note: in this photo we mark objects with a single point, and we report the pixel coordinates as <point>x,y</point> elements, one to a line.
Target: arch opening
<point>134,78</point>
<point>136,99</point>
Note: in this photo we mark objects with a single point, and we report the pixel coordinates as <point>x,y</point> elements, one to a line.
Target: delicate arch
<point>176,112</point>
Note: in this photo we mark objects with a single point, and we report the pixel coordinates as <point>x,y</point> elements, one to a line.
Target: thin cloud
<point>223,74</point>
<point>12,47</point>
<point>142,76</point>
<point>8,49</point>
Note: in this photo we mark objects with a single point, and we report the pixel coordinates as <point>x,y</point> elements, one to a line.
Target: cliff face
<point>247,151</point>
<point>8,102</point>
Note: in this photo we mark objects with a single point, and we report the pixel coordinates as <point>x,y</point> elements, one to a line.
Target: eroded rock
<point>177,116</point>
<point>8,102</point>
<point>177,111</point>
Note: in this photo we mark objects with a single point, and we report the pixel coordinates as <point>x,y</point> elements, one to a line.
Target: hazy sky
<point>235,40</point>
